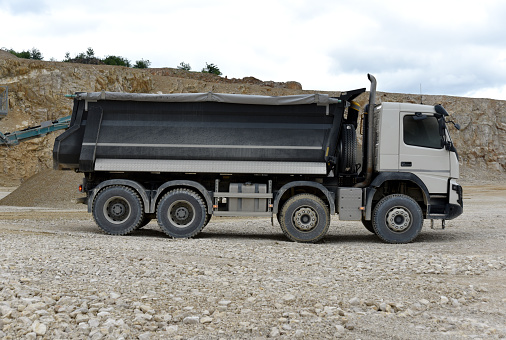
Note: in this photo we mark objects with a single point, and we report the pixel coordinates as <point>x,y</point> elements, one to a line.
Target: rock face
<point>36,90</point>
<point>36,94</point>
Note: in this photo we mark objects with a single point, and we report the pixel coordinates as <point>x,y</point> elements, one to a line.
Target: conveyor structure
<point>14,138</point>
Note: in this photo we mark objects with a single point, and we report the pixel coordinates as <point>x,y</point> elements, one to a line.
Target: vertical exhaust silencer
<point>370,130</point>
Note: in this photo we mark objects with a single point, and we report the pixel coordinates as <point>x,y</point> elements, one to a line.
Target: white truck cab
<point>414,158</point>
<point>410,139</point>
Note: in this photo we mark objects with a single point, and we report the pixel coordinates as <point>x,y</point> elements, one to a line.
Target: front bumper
<point>456,201</point>
<point>452,208</point>
<point>453,211</point>
<point>455,205</point>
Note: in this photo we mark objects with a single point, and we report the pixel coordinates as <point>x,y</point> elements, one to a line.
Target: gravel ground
<point>61,278</point>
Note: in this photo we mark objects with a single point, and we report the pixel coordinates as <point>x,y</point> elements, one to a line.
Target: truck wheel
<point>347,149</point>
<point>181,213</point>
<point>368,225</point>
<point>118,210</point>
<point>208,219</point>
<point>145,221</point>
<point>397,219</point>
<point>304,218</point>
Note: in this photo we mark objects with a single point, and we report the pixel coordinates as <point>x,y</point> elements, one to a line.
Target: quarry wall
<point>37,89</point>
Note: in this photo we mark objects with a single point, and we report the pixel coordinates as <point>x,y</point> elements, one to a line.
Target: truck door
<point>422,152</point>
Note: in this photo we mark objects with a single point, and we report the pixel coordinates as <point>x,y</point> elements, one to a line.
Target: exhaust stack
<point>370,131</point>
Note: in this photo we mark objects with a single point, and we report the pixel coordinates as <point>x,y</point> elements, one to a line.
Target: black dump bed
<point>203,132</point>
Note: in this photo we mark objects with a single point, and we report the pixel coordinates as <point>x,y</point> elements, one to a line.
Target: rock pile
<point>48,188</point>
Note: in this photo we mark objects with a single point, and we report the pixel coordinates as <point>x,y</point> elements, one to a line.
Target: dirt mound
<point>48,189</point>
<point>212,78</point>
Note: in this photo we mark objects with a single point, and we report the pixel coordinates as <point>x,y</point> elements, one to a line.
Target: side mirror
<point>457,126</point>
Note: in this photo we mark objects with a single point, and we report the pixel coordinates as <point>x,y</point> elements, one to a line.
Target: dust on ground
<point>241,278</point>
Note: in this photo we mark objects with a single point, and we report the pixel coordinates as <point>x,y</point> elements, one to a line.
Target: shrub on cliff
<point>211,68</point>
<point>34,54</point>
<point>116,60</point>
<point>87,57</point>
<point>142,63</point>
<point>184,66</point>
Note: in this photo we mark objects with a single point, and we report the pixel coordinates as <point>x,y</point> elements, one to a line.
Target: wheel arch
<point>409,181</point>
<point>137,187</point>
<point>285,192</point>
<point>165,187</point>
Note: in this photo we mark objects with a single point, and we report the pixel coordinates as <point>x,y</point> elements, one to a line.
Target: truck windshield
<point>422,132</point>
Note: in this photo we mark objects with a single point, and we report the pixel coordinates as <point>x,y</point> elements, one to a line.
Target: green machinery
<point>13,138</point>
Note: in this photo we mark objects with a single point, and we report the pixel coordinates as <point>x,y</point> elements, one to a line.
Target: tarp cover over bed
<point>319,99</point>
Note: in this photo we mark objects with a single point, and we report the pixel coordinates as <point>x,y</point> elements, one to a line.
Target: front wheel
<point>397,219</point>
<point>181,213</point>
<point>305,218</point>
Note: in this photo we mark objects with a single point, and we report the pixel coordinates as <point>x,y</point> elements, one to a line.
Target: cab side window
<point>422,132</point>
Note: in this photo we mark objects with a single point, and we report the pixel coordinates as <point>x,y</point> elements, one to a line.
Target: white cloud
<point>488,92</point>
<point>449,47</point>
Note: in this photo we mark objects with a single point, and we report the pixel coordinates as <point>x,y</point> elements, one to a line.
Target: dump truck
<point>183,158</point>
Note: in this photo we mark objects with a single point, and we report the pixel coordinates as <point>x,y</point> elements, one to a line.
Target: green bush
<point>30,54</point>
<point>116,60</point>
<point>87,57</point>
<point>35,54</point>
<point>184,66</point>
<point>142,63</point>
<point>211,68</point>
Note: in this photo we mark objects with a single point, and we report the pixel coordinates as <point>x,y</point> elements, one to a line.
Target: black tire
<point>208,219</point>
<point>368,225</point>
<point>145,221</point>
<point>397,219</point>
<point>118,210</point>
<point>181,213</point>
<point>348,149</point>
<point>304,218</point>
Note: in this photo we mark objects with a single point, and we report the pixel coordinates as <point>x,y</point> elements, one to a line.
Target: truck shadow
<point>429,236</point>
<point>259,236</point>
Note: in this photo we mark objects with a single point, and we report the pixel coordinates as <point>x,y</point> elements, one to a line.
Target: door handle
<point>406,164</point>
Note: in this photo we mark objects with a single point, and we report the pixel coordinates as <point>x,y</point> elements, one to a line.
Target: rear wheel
<point>181,213</point>
<point>397,219</point>
<point>145,221</point>
<point>118,210</point>
<point>304,218</point>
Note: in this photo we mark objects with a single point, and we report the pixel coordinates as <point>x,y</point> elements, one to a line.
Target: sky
<point>442,47</point>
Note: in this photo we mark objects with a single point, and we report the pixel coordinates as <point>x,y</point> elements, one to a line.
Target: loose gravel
<point>61,278</point>
<point>48,188</point>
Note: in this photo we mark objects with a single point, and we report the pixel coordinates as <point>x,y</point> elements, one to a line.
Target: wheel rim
<point>181,214</point>
<point>117,210</point>
<point>398,219</point>
<point>305,219</point>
